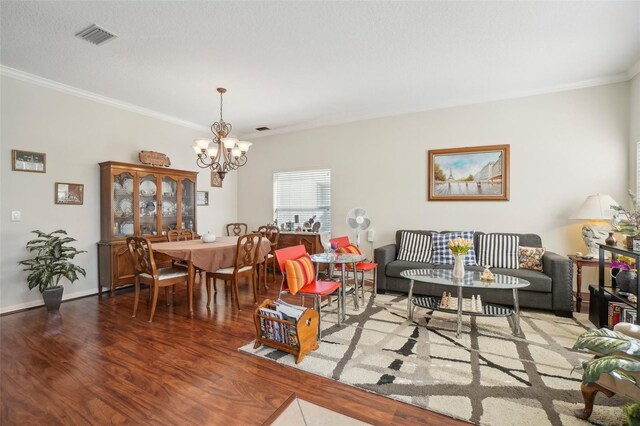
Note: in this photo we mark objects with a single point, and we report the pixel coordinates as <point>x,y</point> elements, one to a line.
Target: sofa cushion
<point>415,247</point>
<point>394,268</point>
<point>498,250</point>
<point>538,281</point>
<point>530,258</point>
<point>442,253</point>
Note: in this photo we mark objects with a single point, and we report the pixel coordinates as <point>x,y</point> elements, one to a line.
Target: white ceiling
<point>291,65</point>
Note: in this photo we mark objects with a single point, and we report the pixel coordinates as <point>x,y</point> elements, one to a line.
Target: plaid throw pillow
<point>415,247</point>
<point>442,254</point>
<point>498,250</point>
<point>299,273</point>
<point>350,249</point>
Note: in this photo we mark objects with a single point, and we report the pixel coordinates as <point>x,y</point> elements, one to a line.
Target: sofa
<point>551,289</point>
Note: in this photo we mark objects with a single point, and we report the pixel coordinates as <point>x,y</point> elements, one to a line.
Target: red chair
<point>361,267</point>
<point>316,289</point>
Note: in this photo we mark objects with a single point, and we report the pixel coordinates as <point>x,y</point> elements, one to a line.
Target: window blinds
<point>305,193</point>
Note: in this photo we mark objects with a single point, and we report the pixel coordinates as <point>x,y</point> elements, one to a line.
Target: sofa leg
<point>564,314</point>
<point>589,395</point>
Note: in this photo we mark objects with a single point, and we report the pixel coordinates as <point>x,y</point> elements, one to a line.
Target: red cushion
<point>363,266</point>
<point>299,273</point>
<point>320,287</point>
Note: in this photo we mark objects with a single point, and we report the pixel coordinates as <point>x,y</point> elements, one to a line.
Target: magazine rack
<point>300,337</point>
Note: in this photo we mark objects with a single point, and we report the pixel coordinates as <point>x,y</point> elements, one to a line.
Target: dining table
<point>208,257</point>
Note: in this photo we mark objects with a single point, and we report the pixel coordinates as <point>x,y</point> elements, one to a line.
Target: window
<point>305,193</point>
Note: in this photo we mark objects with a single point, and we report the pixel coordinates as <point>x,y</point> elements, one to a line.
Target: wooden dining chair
<point>236,229</point>
<point>345,246</point>
<point>245,265</point>
<point>147,273</point>
<point>316,288</point>
<point>184,235</point>
<point>309,244</point>
<point>272,233</point>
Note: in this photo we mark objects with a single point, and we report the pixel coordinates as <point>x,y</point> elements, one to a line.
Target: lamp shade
<point>595,207</point>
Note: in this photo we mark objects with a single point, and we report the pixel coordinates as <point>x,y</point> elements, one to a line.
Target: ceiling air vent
<point>262,129</point>
<point>96,35</point>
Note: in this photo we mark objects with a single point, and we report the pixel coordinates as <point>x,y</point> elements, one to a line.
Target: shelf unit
<point>611,290</point>
<point>139,200</point>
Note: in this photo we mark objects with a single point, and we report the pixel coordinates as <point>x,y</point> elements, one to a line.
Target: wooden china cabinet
<point>143,201</point>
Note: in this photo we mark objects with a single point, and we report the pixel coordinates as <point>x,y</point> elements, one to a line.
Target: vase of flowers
<point>627,222</point>
<point>623,269</point>
<point>459,248</point>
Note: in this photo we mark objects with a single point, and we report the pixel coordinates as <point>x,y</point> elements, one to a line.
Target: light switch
<point>16,216</point>
<point>370,235</point>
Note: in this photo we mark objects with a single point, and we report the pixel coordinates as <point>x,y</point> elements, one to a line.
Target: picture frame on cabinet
<point>69,193</point>
<point>202,198</point>
<point>28,161</point>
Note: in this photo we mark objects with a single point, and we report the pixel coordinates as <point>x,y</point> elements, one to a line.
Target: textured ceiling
<point>291,65</point>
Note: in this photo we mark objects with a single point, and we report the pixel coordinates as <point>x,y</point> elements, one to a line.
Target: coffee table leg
<point>344,293</point>
<point>409,310</point>
<point>516,313</point>
<point>355,287</point>
<point>459,312</point>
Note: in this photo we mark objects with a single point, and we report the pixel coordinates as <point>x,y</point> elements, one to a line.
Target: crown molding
<point>633,70</point>
<point>50,84</point>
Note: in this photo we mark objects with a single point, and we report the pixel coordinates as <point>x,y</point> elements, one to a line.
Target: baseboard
<point>38,303</point>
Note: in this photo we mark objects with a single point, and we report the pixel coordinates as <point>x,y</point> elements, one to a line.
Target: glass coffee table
<point>471,280</point>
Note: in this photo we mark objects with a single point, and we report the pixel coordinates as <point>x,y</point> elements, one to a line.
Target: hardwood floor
<point>95,364</point>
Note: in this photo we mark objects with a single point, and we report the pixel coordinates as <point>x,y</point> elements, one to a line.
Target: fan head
<point>357,218</point>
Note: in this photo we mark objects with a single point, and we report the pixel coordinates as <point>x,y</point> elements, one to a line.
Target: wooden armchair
<point>146,272</point>
<point>272,233</point>
<point>236,229</point>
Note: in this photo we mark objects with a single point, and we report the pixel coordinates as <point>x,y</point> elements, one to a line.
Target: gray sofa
<point>549,290</point>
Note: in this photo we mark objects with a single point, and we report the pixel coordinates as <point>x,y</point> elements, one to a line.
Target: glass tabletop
<point>471,279</point>
<point>338,258</point>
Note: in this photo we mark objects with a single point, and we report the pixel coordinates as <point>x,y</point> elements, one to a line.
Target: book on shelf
<point>617,312</point>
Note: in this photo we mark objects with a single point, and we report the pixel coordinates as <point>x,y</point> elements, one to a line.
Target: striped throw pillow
<point>415,247</point>
<point>299,272</point>
<point>442,253</point>
<point>498,250</point>
<point>350,249</point>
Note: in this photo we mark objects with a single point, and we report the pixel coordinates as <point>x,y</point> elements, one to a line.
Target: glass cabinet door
<point>148,205</point>
<point>123,205</point>
<point>188,204</point>
<point>169,204</point>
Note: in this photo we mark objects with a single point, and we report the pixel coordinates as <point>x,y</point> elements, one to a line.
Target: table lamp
<point>596,208</point>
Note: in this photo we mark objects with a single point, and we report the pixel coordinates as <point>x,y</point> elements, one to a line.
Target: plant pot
<point>626,281</point>
<point>52,298</point>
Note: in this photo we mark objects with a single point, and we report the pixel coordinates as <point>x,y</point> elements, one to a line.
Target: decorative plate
<point>147,208</point>
<point>117,187</point>
<point>126,206</point>
<point>126,227</point>
<point>168,208</point>
<point>127,184</point>
<point>148,188</point>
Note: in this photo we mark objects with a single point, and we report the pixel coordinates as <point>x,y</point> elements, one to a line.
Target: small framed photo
<point>69,193</point>
<point>216,181</point>
<point>27,161</point>
<point>636,244</point>
<point>202,198</point>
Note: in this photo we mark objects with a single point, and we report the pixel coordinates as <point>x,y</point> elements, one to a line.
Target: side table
<point>580,262</point>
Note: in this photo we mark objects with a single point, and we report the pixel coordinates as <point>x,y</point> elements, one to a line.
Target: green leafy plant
<point>627,221</point>
<point>52,260</point>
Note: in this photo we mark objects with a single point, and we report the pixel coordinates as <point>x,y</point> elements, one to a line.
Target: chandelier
<point>223,152</point>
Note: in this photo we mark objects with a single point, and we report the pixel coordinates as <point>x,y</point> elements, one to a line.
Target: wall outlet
<point>16,215</point>
<point>370,235</point>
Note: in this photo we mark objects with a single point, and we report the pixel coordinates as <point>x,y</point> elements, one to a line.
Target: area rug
<point>487,376</point>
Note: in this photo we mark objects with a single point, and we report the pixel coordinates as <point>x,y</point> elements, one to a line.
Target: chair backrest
<point>236,229</point>
<point>179,235</point>
<point>142,255</point>
<point>272,233</point>
<point>248,250</point>
<point>341,241</point>
<point>308,243</point>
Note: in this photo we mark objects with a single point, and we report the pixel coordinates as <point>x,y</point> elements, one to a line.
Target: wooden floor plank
<point>95,364</point>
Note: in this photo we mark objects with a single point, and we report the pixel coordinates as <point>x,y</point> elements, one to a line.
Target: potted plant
<point>617,355</point>
<point>624,271</point>
<point>51,262</point>
<point>627,222</point>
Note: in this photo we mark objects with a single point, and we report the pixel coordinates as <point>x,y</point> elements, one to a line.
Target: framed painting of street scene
<point>478,173</point>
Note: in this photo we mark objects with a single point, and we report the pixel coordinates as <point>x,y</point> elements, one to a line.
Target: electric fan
<point>358,220</point>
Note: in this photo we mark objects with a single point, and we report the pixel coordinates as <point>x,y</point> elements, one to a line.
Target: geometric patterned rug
<point>487,376</point>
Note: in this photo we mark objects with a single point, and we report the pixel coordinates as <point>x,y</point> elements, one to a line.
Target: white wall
<point>77,134</point>
<point>634,129</point>
<point>564,147</point>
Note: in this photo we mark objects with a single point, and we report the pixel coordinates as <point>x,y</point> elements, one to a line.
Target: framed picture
<point>69,193</point>
<point>216,181</point>
<point>202,198</point>
<point>478,173</point>
<point>27,161</point>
